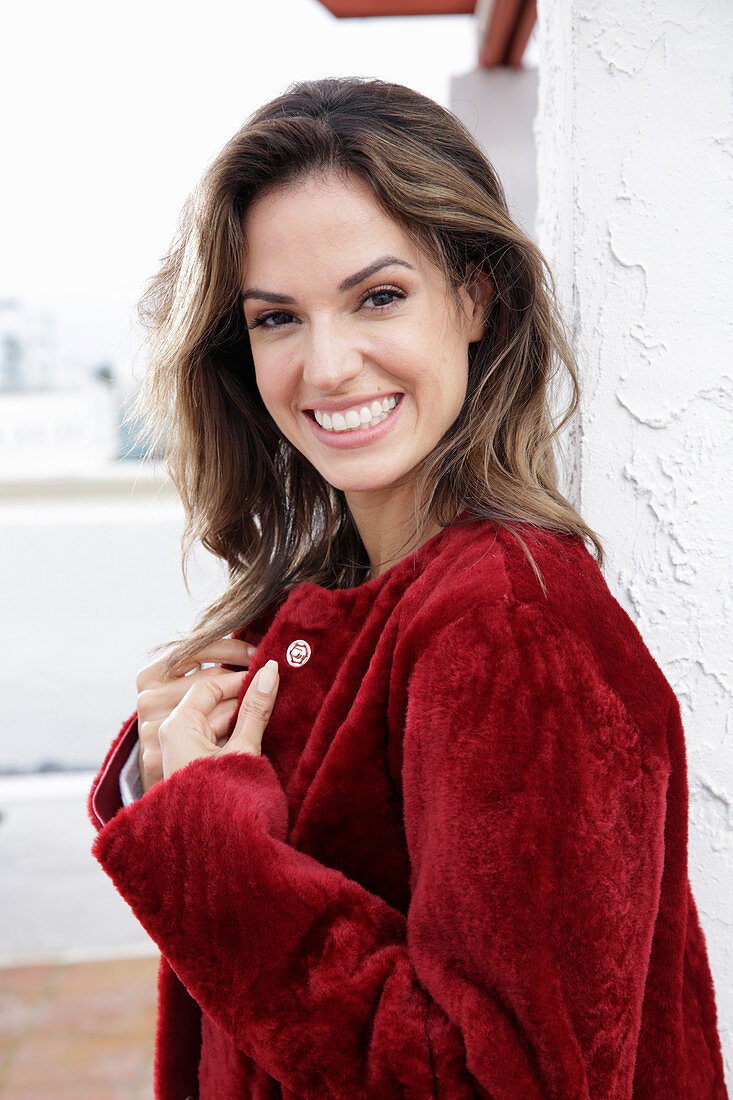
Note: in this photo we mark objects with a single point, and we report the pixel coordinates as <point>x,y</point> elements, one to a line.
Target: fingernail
<point>251,650</point>
<point>267,677</point>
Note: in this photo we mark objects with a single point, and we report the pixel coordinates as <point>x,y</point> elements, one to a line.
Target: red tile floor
<point>78,1031</point>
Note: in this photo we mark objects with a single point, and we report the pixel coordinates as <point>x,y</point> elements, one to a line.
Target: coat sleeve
<point>534,813</point>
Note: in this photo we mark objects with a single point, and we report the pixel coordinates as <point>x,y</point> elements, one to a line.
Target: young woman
<point>406,813</point>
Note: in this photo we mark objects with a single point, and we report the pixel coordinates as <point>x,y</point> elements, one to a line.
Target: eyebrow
<point>347,284</point>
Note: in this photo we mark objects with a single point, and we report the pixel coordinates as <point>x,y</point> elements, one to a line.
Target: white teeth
<point>356,418</point>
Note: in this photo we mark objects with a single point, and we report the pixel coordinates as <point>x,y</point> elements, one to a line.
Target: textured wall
<point>635,163</point>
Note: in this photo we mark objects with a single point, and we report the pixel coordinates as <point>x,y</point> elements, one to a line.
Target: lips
<point>349,403</point>
<point>377,413</point>
<point>357,437</point>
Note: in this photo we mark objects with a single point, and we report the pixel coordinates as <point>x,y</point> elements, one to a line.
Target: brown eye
<point>279,317</point>
<point>378,296</point>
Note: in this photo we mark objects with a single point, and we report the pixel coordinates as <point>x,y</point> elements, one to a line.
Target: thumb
<point>255,711</point>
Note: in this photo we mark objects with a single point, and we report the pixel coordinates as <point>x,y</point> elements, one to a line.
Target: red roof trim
<point>346,9</point>
<point>507,32</point>
<point>505,35</point>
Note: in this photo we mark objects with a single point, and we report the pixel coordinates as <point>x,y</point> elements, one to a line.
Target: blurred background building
<point>54,415</point>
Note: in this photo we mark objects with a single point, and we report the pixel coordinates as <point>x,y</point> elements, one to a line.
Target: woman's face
<point>344,316</point>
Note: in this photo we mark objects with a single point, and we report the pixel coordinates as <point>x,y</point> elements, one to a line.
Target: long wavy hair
<point>249,496</point>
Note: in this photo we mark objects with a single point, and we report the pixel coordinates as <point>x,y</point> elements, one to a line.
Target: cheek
<point>430,348</point>
<point>406,354</point>
<point>273,379</point>
<point>449,384</point>
<point>435,369</point>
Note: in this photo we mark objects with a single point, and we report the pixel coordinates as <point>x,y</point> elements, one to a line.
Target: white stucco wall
<point>635,163</point>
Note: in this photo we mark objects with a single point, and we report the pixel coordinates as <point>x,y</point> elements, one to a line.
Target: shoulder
<point>483,565</point>
<point>480,595</point>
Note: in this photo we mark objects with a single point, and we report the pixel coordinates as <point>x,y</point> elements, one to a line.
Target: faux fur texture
<point>459,867</point>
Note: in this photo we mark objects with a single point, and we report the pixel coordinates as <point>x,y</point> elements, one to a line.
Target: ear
<point>480,290</point>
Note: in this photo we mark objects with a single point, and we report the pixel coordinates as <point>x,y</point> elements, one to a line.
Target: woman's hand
<point>187,733</point>
<point>159,694</point>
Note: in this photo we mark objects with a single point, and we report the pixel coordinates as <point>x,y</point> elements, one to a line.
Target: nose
<point>330,356</point>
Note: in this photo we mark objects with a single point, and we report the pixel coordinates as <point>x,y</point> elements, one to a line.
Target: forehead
<point>335,192</point>
<point>323,220</point>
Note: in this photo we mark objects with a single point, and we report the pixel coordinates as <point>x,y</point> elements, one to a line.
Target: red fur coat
<point>459,867</point>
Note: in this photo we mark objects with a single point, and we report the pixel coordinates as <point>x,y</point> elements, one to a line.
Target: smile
<point>366,416</point>
<point>370,431</point>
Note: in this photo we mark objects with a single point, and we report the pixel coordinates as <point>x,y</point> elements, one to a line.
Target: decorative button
<point>298,653</point>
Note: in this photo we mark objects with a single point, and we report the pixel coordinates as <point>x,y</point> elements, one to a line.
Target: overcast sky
<point>111,113</point>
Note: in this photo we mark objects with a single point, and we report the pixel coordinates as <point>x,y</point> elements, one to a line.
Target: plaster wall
<point>634,136</point>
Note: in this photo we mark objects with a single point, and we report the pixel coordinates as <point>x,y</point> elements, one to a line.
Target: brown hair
<point>249,496</point>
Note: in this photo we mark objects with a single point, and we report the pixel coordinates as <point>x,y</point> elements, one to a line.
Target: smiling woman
<point>277,272</point>
<point>406,813</point>
<point>389,335</point>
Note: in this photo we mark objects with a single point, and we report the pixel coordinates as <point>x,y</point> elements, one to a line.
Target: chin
<point>368,484</point>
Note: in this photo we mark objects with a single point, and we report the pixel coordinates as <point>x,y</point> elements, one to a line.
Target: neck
<point>384,526</point>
